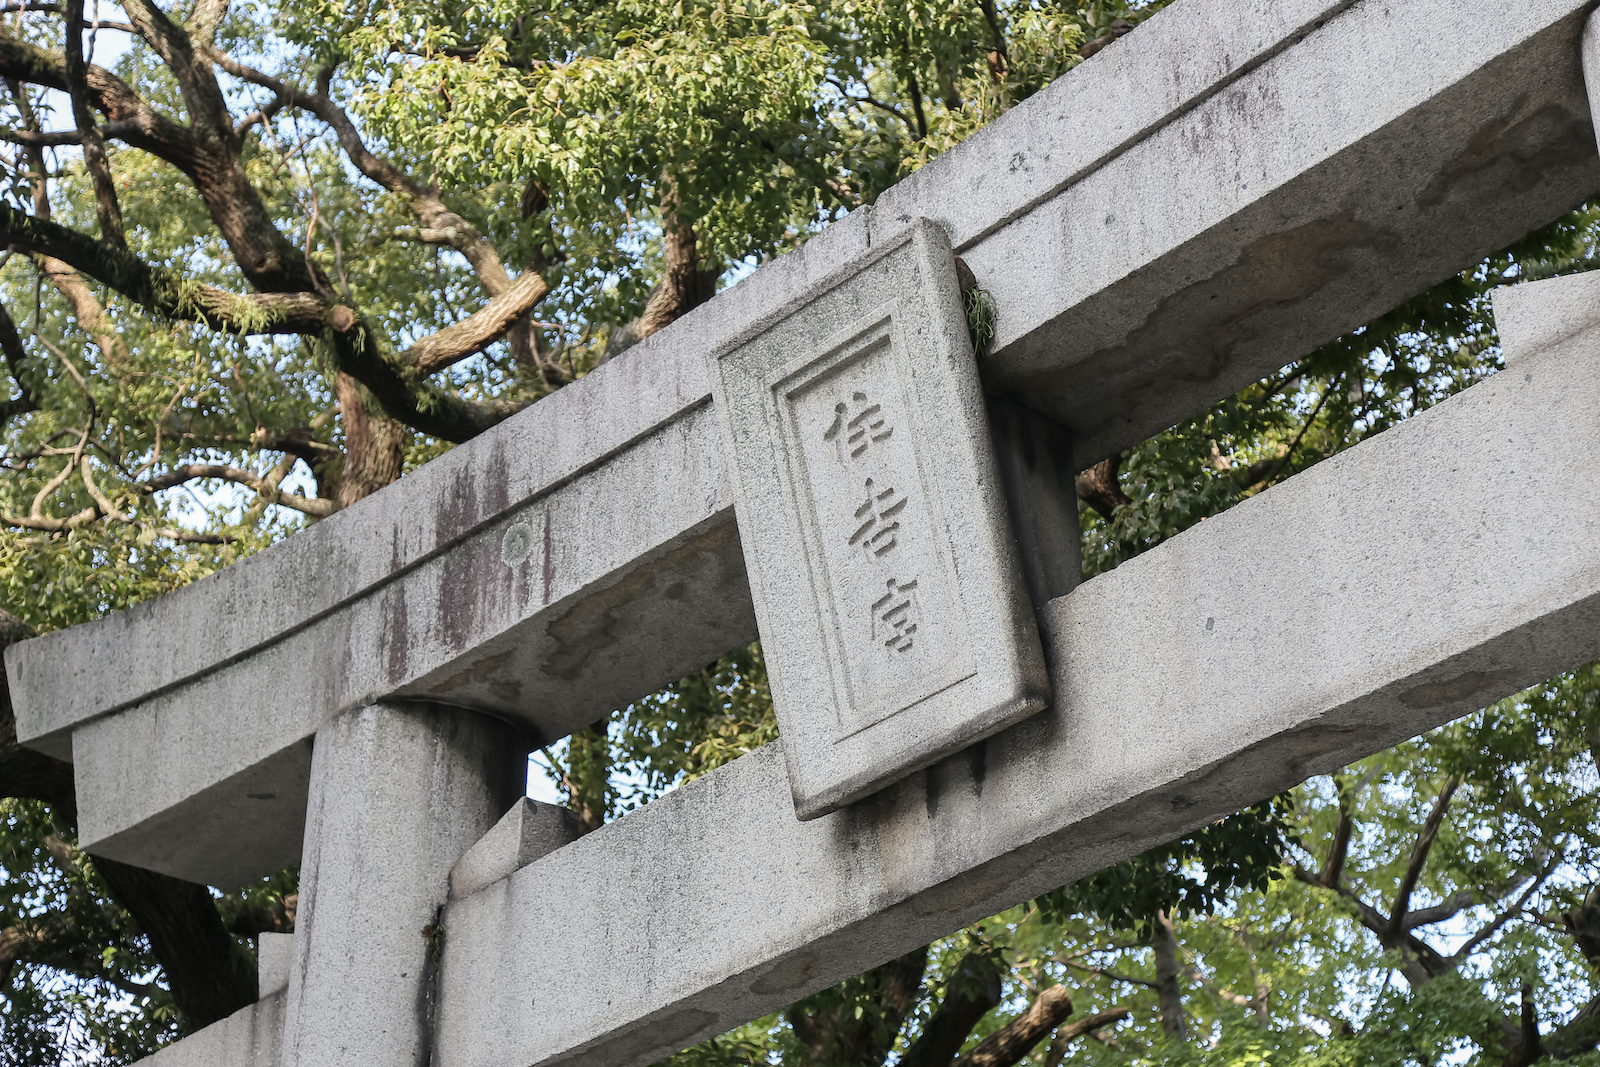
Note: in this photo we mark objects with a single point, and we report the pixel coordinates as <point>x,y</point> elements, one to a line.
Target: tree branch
<point>94,147</point>
<point>52,9</point>
<point>58,138</point>
<point>1578,1034</point>
<point>1494,925</point>
<point>999,62</point>
<point>1421,962</point>
<point>1419,857</point>
<point>1333,870</point>
<point>479,330</point>
<point>203,21</point>
<point>269,490</point>
<point>1099,488</point>
<point>442,224</point>
<point>879,104</point>
<point>1009,1044</point>
<point>1067,1034</point>
<point>1112,975</point>
<point>131,120</point>
<point>162,290</point>
<point>1164,940</point>
<point>1438,913</point>
<point>974,990</point>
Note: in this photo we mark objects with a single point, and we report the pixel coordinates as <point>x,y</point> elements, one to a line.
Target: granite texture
<point>398,794</point>
<point>529,831</point>
<point>1381,593</point>
<point>1233,184</point>
<point>893,615</point>
<point>274,958</point>
<point>250,1037</point>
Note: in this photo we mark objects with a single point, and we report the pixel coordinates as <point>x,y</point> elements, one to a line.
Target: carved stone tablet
<point>891,606</point>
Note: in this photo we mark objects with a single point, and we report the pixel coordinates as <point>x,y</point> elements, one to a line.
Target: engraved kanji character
<point>894,615</point>
<point>878,531</point>
<point>851,434</point>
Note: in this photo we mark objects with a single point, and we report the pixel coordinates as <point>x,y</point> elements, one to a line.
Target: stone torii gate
<point>1234,185</point>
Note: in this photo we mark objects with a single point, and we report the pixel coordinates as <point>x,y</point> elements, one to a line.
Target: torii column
<point>398,793</point>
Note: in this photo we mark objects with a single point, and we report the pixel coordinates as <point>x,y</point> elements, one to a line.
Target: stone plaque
<point>890,602</point>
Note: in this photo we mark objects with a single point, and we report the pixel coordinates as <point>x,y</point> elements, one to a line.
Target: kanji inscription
<point>854,434</point>
<point>873,550</point>
<point>879,529</point>
<point>886,583</point>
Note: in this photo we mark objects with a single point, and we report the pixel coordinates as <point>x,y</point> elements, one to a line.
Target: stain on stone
<point>978,765</point>
<point>458,505</point>
<point>974,892</point>
<point>465,582</point>
<point>787,975</point>
<point>1513,153</point>
<point>648,1038</point>
<point>675,591</point>
<point>1480,685</point>
<point>609,616</point>
<point>506,692</point>
<point>477,673</point>
<point>396,633</point>
<point>1196,334</point>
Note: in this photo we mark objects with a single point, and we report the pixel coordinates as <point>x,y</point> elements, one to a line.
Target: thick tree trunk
<point>686,281</point>
<point>1098,487</point>
<point>589,775</point>
<point>974,990</point>
<point>210,974</point>
<point>685,284</point>
<point>375,444</point>
<point>1007,1045</point>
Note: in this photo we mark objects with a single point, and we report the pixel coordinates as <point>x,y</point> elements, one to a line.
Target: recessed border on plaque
<point>871,341</point>
<point>890,602</point>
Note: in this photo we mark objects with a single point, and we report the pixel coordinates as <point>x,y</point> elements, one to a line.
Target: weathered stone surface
<point>1216,194</point>
<point>398,793</point>
<point>893,616</point>
<point>250,1037</point>
<point>225,755</point>
<point>1340,166</point>
<point>1039,477</point>
<point>523,834</point>
<point>1182,693</point>
<point>1532,318</point>
<point>274,957</point>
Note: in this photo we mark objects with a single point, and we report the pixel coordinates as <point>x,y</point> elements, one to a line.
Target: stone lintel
<point>1209,198</point>
<point>1381,593</point>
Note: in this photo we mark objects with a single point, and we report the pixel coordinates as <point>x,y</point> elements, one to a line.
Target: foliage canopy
<point>269,257</point>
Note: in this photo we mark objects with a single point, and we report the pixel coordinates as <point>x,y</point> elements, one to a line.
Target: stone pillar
<point>398,794</point>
